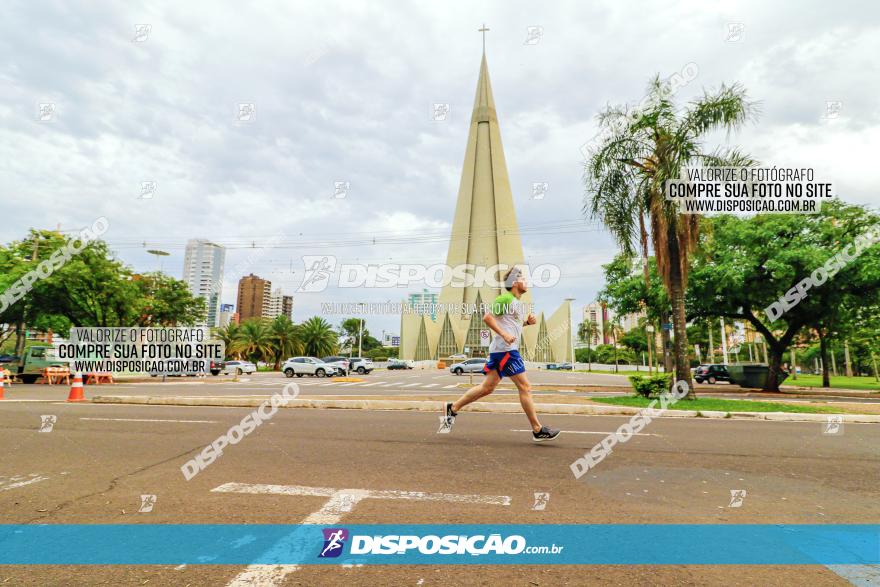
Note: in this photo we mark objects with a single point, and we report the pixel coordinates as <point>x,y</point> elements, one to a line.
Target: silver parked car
<point>468,366</point>
<point>300,366</point>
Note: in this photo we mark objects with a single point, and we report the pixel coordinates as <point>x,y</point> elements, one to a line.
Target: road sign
<point>667,326</point>
<point>485,337</point>
<point>395,341</point>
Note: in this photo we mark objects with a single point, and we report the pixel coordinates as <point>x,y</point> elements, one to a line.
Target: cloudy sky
<point>344,92</point>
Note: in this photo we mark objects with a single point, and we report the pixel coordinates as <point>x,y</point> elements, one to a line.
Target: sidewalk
<point>705,388</point>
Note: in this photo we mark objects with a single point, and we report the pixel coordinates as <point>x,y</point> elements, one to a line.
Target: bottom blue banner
<point>605,544</point>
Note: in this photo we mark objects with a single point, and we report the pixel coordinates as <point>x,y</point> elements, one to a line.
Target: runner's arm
<point>492,323</point>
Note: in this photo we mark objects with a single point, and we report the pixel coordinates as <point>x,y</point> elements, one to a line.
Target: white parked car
<point>341,363</point>
<point>469,366</point>
<point>300,366</point>
<point>360,365</point>
<point>239,367</point>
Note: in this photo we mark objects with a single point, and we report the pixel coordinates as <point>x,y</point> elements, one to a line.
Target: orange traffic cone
<point>2,377</point>
<point>76,389</point>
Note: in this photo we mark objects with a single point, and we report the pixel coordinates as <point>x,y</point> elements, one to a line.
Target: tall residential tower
<point>203,272</point>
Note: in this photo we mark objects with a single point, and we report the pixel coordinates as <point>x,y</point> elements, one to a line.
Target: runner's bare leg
<point>490,382</point>
<point>525,399</point>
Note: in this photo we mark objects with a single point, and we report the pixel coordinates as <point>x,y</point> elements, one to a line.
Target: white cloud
<point>343,93</point>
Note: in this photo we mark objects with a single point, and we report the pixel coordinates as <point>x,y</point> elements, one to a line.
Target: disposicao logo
<point>334,542</point>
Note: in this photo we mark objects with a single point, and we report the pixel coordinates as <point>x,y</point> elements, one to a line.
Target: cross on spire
<point>483,30</point>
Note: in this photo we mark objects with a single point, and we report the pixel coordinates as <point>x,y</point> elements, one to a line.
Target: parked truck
<point>36,358</point>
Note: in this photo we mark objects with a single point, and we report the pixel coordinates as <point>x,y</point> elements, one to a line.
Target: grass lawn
<point>643,372</point>
<point>842,382</point>
<point>720,405</point>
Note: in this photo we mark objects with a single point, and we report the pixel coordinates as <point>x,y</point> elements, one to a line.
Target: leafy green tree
<point>626,174</point>
<point>165,301</point>
<point>90,288</point>
<point>349,331</point>
<point>635,340</point>
<point>318,337</point>
<point>746,264</point>
<point>626,292</point>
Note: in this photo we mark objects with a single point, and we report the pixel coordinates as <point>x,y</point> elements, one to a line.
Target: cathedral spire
<point>484,229</point>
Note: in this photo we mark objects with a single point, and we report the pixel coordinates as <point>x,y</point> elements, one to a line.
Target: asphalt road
<point>99,459</point>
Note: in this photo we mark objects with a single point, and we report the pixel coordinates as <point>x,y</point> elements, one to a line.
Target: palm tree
<point>229,335</point>
<point>285,340</point>
<point>626,174</point>
<point>586,331</point>
<point>611,329</point>
<point>255,340</point>
<point>317,336</point>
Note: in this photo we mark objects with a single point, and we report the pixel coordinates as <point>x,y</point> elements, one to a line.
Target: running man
<point>505,319</point>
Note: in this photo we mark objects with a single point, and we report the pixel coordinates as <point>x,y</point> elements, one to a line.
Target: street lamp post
<point>158,254</point>
<point>570,338</point>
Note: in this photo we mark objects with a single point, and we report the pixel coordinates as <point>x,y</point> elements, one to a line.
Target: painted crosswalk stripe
<point>16,481</point>
<point>431,384</point>
<point>340,501</point>
<point>591,432</point>
<point>411,384</point>
<point>451,386</point>
<point>148,420</point>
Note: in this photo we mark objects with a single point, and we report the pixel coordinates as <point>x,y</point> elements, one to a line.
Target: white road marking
<point>19,481</point>
<point>263,489</point>
<point>451,386</point>
<point>431,384</point>
<point>411,384</point>
<point>147,420</point>
<point>340,502</point>
<point>355,383</point>
<point>859,575</point>
<point>267,575</point>
<point>591,432</point>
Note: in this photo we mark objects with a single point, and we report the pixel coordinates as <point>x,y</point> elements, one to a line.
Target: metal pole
<point>570,338</point>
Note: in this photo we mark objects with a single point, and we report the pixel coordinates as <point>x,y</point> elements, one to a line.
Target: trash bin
<point>751,376</point>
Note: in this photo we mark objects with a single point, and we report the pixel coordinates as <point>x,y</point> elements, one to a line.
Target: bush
<point>651,386</point>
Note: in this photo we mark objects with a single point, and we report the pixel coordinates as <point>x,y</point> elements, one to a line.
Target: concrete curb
<point>555,387</point>
<point>832,391</point>
<point>496,407</point>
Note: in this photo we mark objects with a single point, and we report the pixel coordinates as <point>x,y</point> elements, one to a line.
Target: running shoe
<point>545,434</point>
